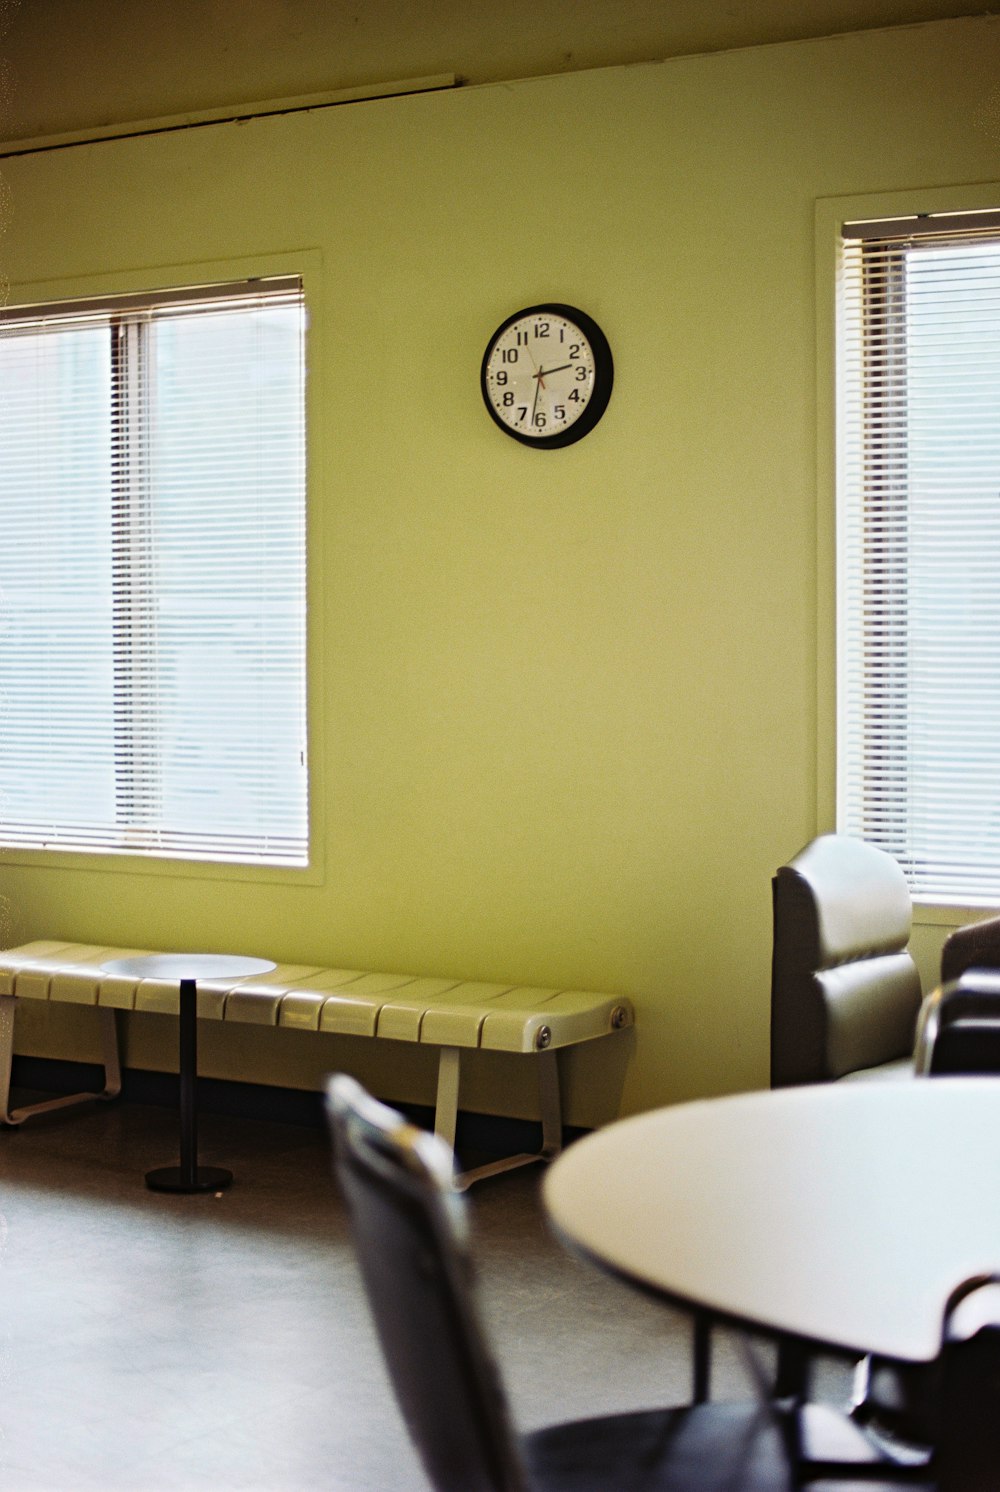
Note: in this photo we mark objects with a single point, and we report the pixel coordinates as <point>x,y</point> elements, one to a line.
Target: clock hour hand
<point>544,372</point>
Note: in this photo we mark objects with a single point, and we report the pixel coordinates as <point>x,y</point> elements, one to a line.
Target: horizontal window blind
<point>919,549</point>
<point>152,575</point>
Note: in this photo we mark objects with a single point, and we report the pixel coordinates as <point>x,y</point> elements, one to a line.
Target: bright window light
<point>919,574</point>
<point>152,575</point>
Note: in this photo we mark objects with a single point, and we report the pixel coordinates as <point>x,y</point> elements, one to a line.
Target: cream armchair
<point>845,993</point>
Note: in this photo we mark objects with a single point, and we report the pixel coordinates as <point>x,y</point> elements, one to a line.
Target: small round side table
<point>187,969</point>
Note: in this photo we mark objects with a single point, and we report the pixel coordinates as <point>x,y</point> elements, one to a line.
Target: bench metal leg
<point>109,1053</point>
<point>446,1114</point>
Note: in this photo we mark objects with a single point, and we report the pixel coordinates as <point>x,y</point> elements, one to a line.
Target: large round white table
<point>844,1214</point>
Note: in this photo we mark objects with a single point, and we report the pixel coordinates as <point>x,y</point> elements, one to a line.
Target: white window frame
<point>931,906</point>
<point>215,278</point>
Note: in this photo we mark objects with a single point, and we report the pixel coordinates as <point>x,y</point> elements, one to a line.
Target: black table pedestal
<point>188,1176</point>
<point>179,1179</point>
<point>186,969</point>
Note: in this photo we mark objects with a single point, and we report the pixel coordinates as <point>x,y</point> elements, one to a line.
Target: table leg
<point>792,1370</point>
<point>188,1176</point>
<point>701,1357</point>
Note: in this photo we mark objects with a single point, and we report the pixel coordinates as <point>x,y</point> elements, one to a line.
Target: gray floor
<point>151,1342</point>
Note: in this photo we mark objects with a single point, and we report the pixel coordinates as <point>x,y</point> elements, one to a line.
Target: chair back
<point>967,1451</point>
<point>959,1027</point>
<point>976,945</point>
<point>845,993</point>
<point>410,1231</point>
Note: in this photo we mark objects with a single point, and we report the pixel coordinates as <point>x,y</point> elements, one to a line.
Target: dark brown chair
<point>410,1229</point>
<point>958,1033</point>
<point>975,946</point>
<point>967,1453</point>
<point>951,1403</point>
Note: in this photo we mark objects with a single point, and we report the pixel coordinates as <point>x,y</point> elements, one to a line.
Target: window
<point>152,575</point>
<point>919,549</point>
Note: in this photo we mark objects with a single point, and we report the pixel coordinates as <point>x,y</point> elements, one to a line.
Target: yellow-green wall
<point>565,704</point>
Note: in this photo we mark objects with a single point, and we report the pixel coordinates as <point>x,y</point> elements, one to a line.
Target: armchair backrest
<point>845,993</point>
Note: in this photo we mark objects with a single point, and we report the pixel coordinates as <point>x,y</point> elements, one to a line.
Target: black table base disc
<point>172,1179</point>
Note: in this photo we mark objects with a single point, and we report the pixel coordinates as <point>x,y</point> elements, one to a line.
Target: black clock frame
<point>604,377</point>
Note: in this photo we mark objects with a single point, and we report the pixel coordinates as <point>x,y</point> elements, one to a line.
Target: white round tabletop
<point>845,1213</point>
<point>178,966</point>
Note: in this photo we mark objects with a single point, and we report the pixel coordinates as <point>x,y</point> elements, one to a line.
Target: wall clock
<point>546,375</point>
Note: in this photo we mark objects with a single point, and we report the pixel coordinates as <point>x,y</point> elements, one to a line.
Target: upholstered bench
<point>454,1016</point>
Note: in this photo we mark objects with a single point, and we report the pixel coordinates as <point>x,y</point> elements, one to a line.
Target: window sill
<point>109,863</point>
<point>944,914</point>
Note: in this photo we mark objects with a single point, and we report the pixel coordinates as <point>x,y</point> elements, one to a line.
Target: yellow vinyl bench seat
<point>453,1015</point>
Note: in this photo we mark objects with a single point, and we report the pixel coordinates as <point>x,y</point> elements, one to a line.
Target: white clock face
<point>538,375</point>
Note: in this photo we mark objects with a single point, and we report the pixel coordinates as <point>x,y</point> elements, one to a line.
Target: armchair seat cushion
<point>903,1068</point>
